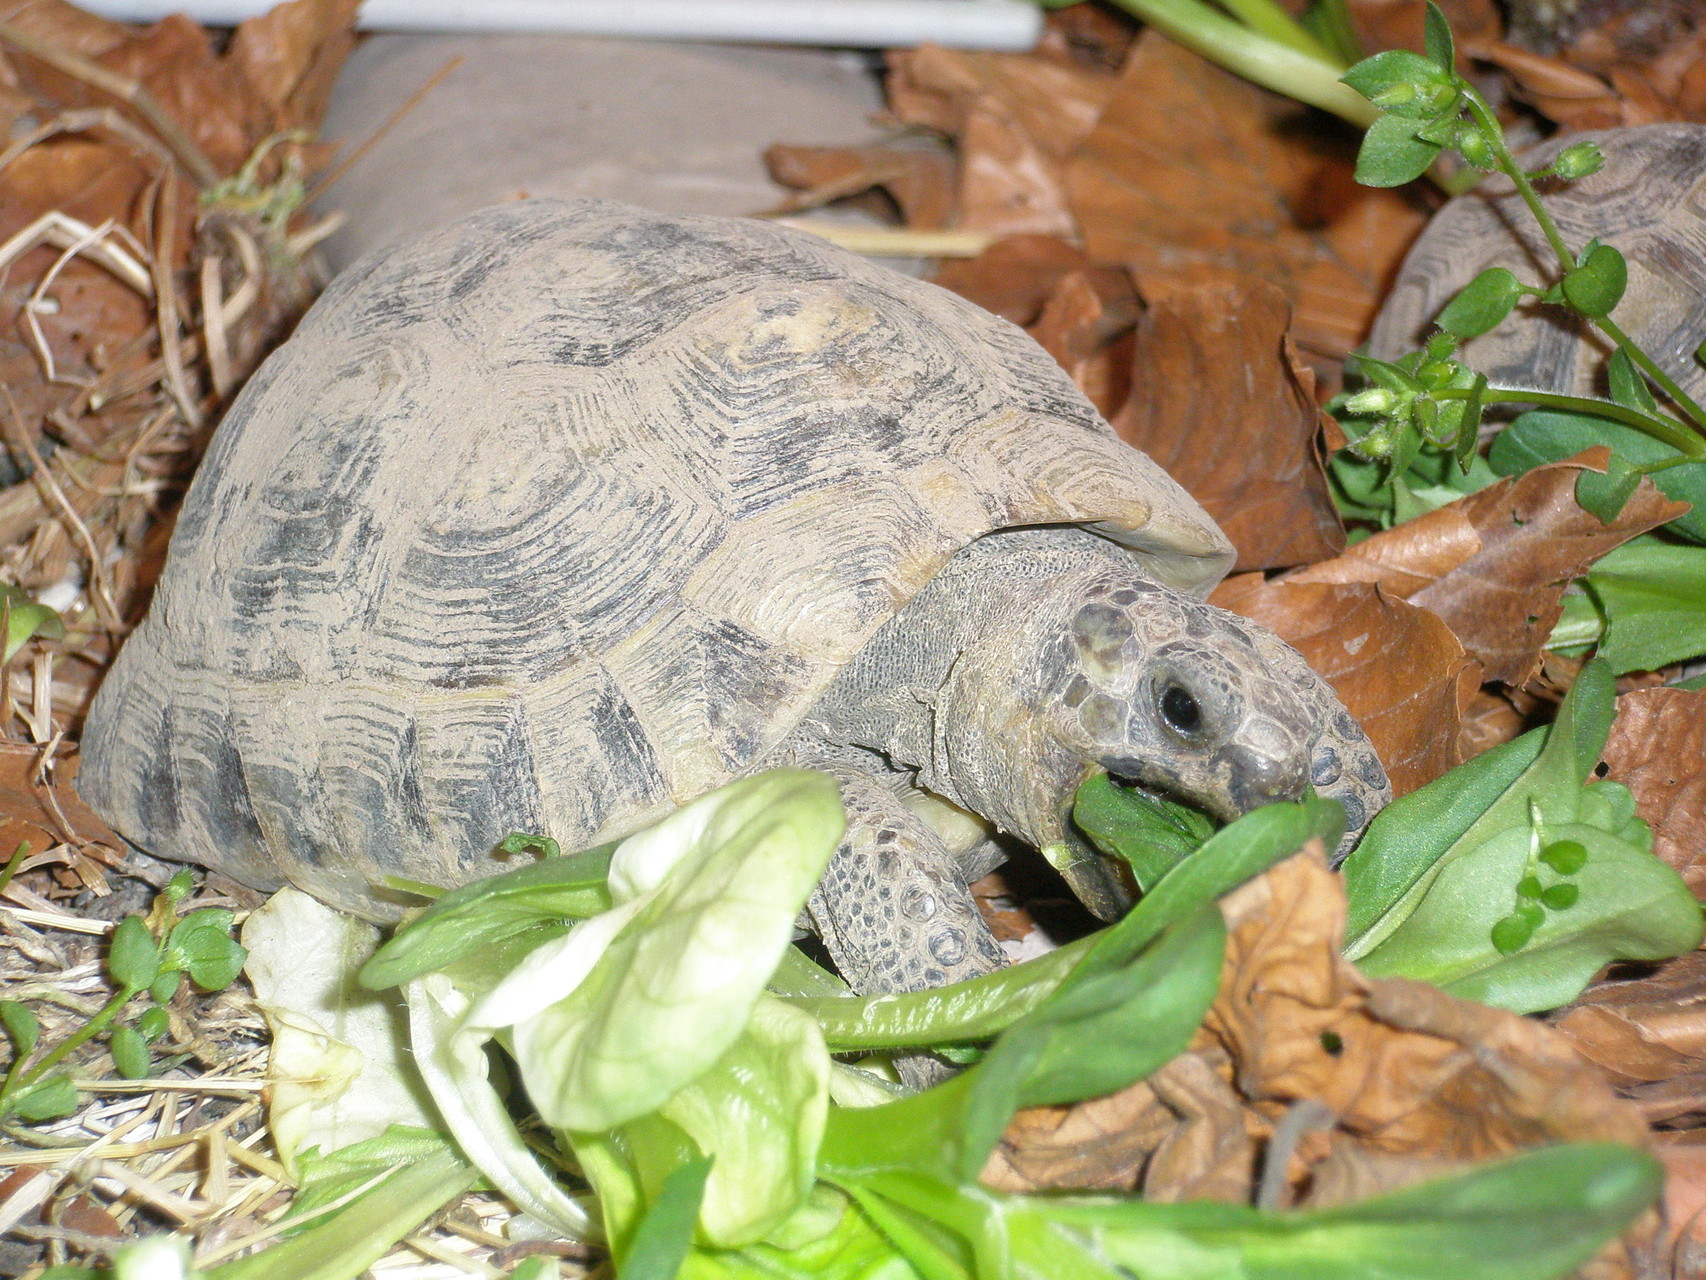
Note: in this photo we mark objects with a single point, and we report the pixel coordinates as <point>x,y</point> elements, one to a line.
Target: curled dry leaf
<point>1357,1086</point>
<point>1016,275</point>
<point>1574,98</point>
<point>1016,119</point>
<point>1657,748</point>
<point>1229,412</point>
<point>1494,564</point>
<point>1397,668</point>
<point>1195,175</point>
<point>919,181</point>
<point>1407,1071</point>
<point>1080,313</point>
<point>1649,1035</point>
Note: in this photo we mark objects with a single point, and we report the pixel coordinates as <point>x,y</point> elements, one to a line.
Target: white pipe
<point>871,24</point>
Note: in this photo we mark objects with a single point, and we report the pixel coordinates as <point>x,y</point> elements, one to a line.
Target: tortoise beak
<point>1257,780</point>
<point>1098,881</point>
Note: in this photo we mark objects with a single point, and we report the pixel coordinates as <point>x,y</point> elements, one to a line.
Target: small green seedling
<point>148,957</point>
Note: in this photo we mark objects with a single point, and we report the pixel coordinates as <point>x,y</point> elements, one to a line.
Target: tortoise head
<point>1176,695</point>
<point>1096,666</point>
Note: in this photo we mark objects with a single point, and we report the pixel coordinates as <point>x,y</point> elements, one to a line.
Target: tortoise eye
<point>1180,709</point>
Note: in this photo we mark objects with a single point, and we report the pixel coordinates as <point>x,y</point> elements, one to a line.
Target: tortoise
<point>572,512</point>
<point>1649,200</point>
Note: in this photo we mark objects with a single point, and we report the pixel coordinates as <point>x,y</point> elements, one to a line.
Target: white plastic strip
<point>871,24</point>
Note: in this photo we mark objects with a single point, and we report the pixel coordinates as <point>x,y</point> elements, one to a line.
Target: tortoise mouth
<point>1132,774</point>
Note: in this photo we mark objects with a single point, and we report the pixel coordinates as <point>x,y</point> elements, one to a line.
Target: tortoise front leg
<point>892,908</point>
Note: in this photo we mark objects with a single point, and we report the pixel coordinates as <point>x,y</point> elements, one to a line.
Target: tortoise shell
<point>1649,200</point>
<point>564,516</point>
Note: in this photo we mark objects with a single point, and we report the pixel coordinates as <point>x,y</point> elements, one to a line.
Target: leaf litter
<point>1101,165</point>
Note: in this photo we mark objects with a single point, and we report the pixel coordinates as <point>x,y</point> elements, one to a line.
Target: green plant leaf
<point>852,1249</point>
<point>612,1019</point>
<point>130,1053</point>
<point>1597,285</point>
<point>1436,39</point>
<point>1626,384</point>
<point>511,914</point>
<point>1652,596</point>
<point>1392,153</point>
<point>165,986</point>
<point>980,1007</point>
<point>152,1023</point>
<point>1482,304</point>
<point>1436,892</point>
<point>758,1114</point>
<point>26,618</point>
<point>1151,833</point>
<point>133,957</point>
<point>1534,1216</point>
<point>1545,435</point>
<point>1604,494</point>
<point>350,1239</point>
<point>659,1244</point>
<point>22,1026</point>
<point>1402,83</point>
<point>201,944</point>
<point>47,1099</point>
<point>1098,1033</point>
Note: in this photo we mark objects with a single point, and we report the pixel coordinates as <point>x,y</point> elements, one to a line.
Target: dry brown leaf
<point>1016,119</point>
<point>1649,1035</point>
<point>1086,325</point>
<point>1657,749</point>
<point>1494,564</point>
<point>1407,1070</point>
<point>1356,1086</point>
<point>1212,1153</point>
<point>1574,98</point>
<point>1685,1208</point>
<point>290,55</point>
<point>920,182</point>
<point>28,809</point>
<point>1016,275</point>
<point>1195,175</point>
<point>72,29</point>
<point>1099,1144</point>
<point>1489,721</point>
<point>1397,668</point>
<point>1228,411</point>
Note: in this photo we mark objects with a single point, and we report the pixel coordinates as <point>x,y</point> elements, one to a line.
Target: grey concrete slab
<point>675,127</point>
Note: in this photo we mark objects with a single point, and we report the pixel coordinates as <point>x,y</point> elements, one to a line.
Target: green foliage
<point>1429,397</point>
<point>500,919</point>
<point>1512,880</point>
<point>1596,283</point>
<point>1151,833</point>
<point>1651,599</point>
<point>660,1243</point>
<point>139,964</point>
<point>26,618</point>
<point>1483,304</point>
<point>1545,435</point>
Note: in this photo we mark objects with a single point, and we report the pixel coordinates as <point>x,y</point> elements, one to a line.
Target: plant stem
<point>13,863</point>
<point>1495,136</point>
<point>1271,63</point>
<point>1667,430</point>
<point>1274,22</point>
<point>93,1027</point>
<point>1665,383</point>
<point>1508,166</point>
